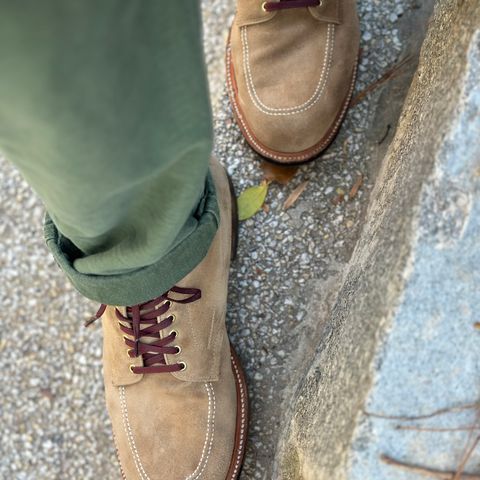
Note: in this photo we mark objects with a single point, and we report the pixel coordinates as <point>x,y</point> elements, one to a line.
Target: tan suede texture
<point>180,426</point>
<point>293,71</point>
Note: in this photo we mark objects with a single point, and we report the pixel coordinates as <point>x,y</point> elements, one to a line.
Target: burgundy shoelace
<point>142,323</point>
<point>283,4</point>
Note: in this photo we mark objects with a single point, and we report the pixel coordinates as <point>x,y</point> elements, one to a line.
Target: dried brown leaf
<point>337,199</point>
<point>277,173</point>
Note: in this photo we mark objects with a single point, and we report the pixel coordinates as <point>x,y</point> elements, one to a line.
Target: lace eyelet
<point>179,350</point>
<point>174,333</point>
<point>184,366</point>
<point>132,367</point>
<point>264,6</point>
<point>128,353</point>
<point>173,317</point>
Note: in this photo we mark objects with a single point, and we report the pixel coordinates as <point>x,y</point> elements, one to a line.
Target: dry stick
<point>295,195</point>
<point>464,428</point>
<point>427,472</point>
<point>356,187</point>
<point>388,75</point>
<point>441,411</point>
<point>468,450</point>
<point>459,474</point>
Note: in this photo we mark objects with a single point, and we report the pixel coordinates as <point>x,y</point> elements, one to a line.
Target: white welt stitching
<point>130,438</point>
<point>238,460</point>
<point>209,436</point>
<point>317,94</point>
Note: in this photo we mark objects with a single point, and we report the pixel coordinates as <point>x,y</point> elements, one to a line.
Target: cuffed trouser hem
<point>148,282</point>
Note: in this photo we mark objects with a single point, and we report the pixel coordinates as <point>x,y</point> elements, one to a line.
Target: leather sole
<point>270,155</point>
<point>241,430</point>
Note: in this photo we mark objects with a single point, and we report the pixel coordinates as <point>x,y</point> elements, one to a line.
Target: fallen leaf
<point>251,200</point>
<point>337,199</point>
<point>293,197</point>
<point>477,325</point>
<point>47,393</point>
<point>356,187</point>
<point>265,208</point>
<point>277,173</point>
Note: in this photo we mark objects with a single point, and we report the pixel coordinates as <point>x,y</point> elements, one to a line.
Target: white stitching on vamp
<point>130,438</point>
<point>208,438</point>
<point>210,434</point>
<point>317,94</point>
<point>252,140</point>
<point>238,461</point>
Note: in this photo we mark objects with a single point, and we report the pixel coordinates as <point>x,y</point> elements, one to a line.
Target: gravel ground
<point>54,425</point>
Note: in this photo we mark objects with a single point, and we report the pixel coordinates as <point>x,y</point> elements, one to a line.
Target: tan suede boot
<point>175,390</point>
<point>291,68</point>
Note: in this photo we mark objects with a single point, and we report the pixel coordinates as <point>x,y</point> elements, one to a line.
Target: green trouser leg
<point>104,109</point>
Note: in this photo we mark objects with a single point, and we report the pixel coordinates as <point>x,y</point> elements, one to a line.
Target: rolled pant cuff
<point>148,282</point>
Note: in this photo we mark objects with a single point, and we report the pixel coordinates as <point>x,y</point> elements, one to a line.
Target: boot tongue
<point>143,310</point>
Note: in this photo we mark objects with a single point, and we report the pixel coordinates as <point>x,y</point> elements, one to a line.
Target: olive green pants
<point>104,109</point>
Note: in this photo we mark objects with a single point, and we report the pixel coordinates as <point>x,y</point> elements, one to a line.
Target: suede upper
<point>290,75</point>
<point>181,425</point>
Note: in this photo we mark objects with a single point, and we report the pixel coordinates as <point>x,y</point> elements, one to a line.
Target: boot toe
<point>174,439</point>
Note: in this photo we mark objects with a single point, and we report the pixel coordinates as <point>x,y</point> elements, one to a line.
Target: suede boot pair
<point>175,390</point>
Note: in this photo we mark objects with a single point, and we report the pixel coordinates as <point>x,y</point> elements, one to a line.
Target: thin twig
<point>388,75</point>
<point>441,411</point>
<point>356,187</point>
<point>464,428</point>
<point>469,447</point>
<point>466,458</point>
<point>427,472</point>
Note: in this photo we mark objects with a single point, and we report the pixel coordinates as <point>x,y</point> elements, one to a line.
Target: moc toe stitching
<point>310,102</point>
<point>207,445</point>
<point>294,157</point>
<point>202,464</point>
<point>129,434</point>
